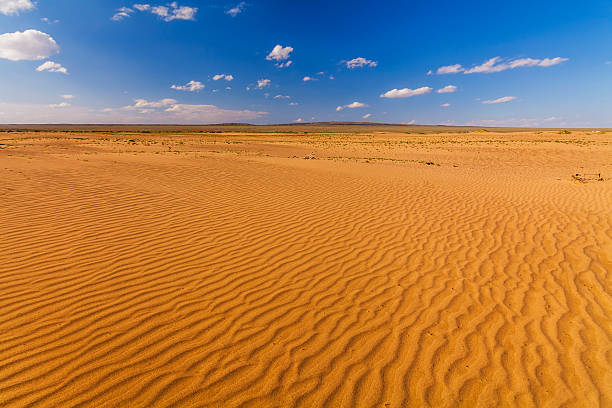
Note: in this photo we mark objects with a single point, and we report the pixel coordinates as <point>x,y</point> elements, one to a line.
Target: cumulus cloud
<point>239,8</point>
<point>406,92</point>
<point>282,97</point>
<point>498,64</point>
<point>308,79</point>
<point>285,64</point>
<point>366,116</point>
<point>27,45</point>
<point>13,7</point>
<point>299,120</point>
<point>262,83</point>
<point>293,104</point>
<point>500,100</point>
<point>175,12</point>
<point>172,11</point>
<point>279,53</point>
<point>227,77</point>
<point>191,86</point>
<point>52,67</point>
<point>353,105</point>
<point>360,62</point>
<point>447,89</point>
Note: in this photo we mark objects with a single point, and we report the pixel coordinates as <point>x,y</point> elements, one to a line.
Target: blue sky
<point>523,63</point>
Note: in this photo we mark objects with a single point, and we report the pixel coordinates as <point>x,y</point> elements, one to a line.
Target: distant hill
<point>292,128</point>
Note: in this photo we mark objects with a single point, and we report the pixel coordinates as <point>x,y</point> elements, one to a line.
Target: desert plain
<point>305,266</point>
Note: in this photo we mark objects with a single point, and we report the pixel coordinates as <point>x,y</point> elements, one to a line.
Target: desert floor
<point>279,270</point>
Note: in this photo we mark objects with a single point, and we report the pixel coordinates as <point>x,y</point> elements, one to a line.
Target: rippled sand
<point>386,270</point>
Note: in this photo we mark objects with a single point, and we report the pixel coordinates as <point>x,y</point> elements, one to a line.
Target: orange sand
<point>226,270</point>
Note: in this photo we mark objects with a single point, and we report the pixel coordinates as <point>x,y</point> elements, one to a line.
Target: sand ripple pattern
<point>227,283</point>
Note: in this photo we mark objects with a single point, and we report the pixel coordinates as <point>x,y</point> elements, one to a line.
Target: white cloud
<point>299,120</point>
<point>149,112</point>
<point>447,89</point>
<point>67,96</point>
<point>239,8</point>
<point>500,100</point>
<point>360,62</point>
<point>11,7</point>
<point>406,92</point>
<point>279,53</point>
<point>285,64</point>
<point>263,83</point>
<point>27,45</point>
<point>161,11</point>
<point>353,105</point>
<point>445,105</point>
<point>143,103</point>
<point>488,67</point>
<point>223,76</point>
<point>174,12</point>
<point>211,113</point>
<point>170,12</point>
<point>412,122</point>
<point>497,64</point>
<point>549,62</point>
<point>122,12</point>
<point>191,86</point>
<point>293,104</point>
<point>309,78</point>
<point>366,116</point>
<point>52,67</point>
<point>450,69</point>
<point>60,105</point>
<point>183,13</point>
<point>282,97</point>
<point>46,20</point>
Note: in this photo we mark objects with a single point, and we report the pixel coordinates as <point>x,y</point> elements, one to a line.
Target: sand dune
<point>391,271</point>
